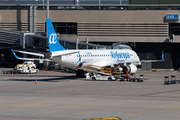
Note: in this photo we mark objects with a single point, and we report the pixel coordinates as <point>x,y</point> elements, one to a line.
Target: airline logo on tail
<point>52,38</point>
<point>54,44</point>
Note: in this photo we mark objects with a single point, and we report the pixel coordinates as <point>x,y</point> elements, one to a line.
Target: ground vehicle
<point>104,73</point>
<point>97,76</point>
<point>26,67</point>
<point>172,80</point>
<point>95,72</point>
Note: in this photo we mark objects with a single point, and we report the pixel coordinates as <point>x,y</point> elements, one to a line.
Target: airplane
<point>76,59</point>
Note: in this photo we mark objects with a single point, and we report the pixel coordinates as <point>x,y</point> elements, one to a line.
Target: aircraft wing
<point>28,58</point>
<point>146,61</point>
<point>162,59</point>
<point>63,53</point>
<point>30,53</point>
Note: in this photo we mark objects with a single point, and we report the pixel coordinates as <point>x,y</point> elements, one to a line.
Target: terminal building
<point>148,26</point>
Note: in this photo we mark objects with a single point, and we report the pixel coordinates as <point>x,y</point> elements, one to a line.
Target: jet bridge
<point>10,39</point>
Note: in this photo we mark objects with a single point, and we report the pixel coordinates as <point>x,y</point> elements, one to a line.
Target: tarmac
<point>62,96</point>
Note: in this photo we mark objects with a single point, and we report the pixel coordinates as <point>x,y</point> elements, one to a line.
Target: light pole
<point>47,15</point>
<point>47,9</point>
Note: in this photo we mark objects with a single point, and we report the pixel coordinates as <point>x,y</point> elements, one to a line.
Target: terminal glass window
<point>100,2</point>
<point>120,46</point>
<point>154,1</point>
<point>174,28</point>
<point>65,28</point>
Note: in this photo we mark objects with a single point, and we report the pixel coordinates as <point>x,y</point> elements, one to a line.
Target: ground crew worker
<point>127,75</point>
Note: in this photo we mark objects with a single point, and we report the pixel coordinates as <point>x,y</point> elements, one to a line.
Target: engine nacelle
<point>130,68</point>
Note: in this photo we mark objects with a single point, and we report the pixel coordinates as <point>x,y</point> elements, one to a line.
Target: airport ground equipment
<point>141,79</point>
<point>106,118</point>
<point>97,76</point>
<point>9,71</point>
<point>95,72</point>
<point>172,79</point>
<point>27,67</point>
<point>167,80</point>
<point>132,78</point>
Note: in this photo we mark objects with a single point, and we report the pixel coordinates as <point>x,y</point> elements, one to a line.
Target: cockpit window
<point>121,46</point>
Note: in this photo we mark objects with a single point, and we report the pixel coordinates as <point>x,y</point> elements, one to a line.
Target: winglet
<point>162,56</point>
<point>28,58</point>
<point>14,54</point>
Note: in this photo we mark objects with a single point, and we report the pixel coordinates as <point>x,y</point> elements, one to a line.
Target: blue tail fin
<point>53,41</point>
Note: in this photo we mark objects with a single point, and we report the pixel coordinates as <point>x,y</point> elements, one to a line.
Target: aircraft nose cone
<point>48,55</point>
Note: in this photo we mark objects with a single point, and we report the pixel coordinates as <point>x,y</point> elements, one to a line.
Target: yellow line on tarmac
<point>171,108</point>
<point>154,110</point>
<point>138,113</point>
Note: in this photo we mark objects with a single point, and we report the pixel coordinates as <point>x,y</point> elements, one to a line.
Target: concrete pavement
<point>61,96</point>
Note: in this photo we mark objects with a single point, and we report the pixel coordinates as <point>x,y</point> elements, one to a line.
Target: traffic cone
<point>36,82</point>
<point>12,75</point>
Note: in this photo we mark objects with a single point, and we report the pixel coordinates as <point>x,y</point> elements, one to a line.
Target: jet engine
<point>130,68</point>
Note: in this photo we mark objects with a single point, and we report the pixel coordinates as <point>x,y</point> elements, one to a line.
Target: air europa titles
<point>119,55</point>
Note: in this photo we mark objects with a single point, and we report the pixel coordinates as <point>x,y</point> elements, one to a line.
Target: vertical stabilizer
<point>53,41</point>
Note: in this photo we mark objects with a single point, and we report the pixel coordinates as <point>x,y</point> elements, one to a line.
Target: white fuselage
<point>96,57</point>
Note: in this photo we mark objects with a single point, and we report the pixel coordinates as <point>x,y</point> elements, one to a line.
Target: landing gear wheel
<point>93,78</point>
<point>109,79</point>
